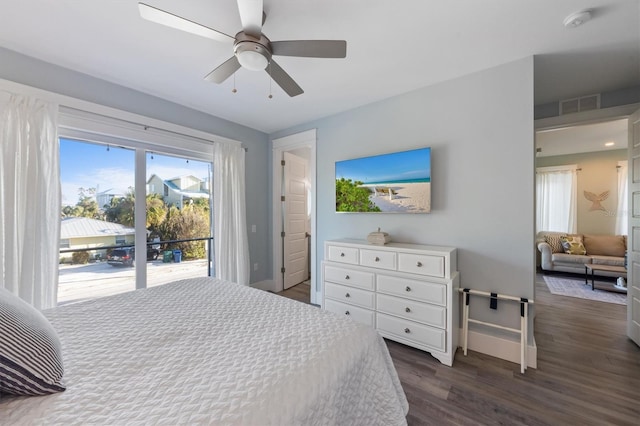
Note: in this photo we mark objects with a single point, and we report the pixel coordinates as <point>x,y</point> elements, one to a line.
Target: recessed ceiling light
<point>609,144</point>
<point>576,19</point>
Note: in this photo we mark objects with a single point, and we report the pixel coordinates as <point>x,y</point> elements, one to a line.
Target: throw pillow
<point>30,354</point>
<point>573,245</point>
<point>605,245</point>
<point>554,240</point>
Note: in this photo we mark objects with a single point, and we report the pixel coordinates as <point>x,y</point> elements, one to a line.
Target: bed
<point>207,351</point>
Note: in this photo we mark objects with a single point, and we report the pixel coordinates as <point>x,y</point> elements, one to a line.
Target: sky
<point>404,165</point>
<point>87,165</point>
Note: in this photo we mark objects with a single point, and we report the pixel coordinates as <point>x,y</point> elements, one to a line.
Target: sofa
<point>584,248</point>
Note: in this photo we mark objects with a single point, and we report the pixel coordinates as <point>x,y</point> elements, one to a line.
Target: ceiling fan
<point>251,48</point>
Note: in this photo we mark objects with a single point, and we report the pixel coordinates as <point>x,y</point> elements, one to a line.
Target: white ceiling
<point>392,47</point>
<point>583,138</point>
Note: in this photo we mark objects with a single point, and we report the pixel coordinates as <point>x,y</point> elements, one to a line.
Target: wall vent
<point>584,103</point>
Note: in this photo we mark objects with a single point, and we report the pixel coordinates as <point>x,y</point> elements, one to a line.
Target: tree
<point>156,212</point>
<point>71,211</point>
<point>121,210</point>
<point>351,197</point>
<point>86,206</point>
<point>190,222</point>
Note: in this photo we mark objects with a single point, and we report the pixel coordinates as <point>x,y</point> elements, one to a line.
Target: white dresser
<point>408,292</point>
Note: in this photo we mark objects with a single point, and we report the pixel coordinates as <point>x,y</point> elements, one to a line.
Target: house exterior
<point>178,190</point>
<point>104,198</point>
<point>83,232</point>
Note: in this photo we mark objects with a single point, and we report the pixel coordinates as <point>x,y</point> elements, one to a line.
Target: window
<point>122,186</point>
<point>64,243</point>
<point>556,198</point>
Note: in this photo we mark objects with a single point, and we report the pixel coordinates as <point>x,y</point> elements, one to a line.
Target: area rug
<point>574,287</point>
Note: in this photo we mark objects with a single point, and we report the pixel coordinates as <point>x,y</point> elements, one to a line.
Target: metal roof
<point>79,227</point>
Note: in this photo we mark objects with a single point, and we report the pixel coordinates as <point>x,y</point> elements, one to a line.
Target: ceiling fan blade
<point>251,16</point>
<point>310,48</point>
<point>224,71</point>
<point>283,79</point>
<point>160,16</point>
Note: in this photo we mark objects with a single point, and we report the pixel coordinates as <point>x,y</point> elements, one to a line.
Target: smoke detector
<point>576,19</point>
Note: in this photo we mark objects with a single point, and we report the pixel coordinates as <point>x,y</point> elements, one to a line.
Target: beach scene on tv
<point>399,182</point>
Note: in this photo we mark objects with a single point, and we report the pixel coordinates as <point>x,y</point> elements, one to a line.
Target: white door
<point>294,210</point>
<point>633,243</point>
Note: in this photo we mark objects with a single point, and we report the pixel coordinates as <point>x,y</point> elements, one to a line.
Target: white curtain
<point>29,200</point>
<point>556,199</point>
<point>231,251</point>
<point>622,212</point>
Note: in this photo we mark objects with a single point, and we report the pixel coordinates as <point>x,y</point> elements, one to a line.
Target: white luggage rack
<point>524,318</point>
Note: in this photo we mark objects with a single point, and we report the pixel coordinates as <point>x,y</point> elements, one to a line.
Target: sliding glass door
<point>111,242</point>
<point>97,225</point>
<point>178,224</point>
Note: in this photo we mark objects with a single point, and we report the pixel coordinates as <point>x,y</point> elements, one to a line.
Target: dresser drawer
<point>433,315</point>
<point>363,316</point>
<point>412,289</point>
<point>378,259</point>
<point>342,254</point>
<point>349,295</point>
<point>349,277</point>
<point>409,330</point>
<point>422,264</point>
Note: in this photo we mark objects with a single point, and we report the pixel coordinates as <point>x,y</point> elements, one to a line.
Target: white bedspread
<point>205,351</point>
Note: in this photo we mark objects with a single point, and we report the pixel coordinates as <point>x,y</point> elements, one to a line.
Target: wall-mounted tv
<point>399,182</point>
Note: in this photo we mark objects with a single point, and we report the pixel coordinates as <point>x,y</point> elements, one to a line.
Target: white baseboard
<point>501,348</point>
<point>266,285</point>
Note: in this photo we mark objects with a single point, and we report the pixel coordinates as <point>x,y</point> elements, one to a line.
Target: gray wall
<point>480,128</point>
<point>32,72</point>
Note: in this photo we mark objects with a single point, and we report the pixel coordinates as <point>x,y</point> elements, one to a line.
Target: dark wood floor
<point>588,373</point>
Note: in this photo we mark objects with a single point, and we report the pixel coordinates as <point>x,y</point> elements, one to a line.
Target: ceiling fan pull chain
<point>234,83</point>
<point>270,95</point>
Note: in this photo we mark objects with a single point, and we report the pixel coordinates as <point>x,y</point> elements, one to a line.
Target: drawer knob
<point>377,259</point>
<point>407,309</point>
<point>408,288</point>
<point>419,264</point>
<point>347,313</point>
<point>406,330</point>
<point>341,254</point>
<point>347,277</point>
<point>347,295</point>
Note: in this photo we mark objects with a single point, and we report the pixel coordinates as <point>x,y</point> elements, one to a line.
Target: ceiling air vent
<point>585,103</point>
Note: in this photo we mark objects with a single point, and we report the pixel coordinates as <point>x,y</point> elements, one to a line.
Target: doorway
<point>597,153</point>
<point>294,213</point>
<point>590,220</point>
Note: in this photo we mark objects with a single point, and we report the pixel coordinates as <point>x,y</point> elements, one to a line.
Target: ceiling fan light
<point>252,60</point>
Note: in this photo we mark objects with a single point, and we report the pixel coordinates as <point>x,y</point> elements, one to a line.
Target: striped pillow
<point>30,355</point>
<point>555,241</point>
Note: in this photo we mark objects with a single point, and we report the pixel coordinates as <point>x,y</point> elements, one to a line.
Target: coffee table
<point>592,268</point>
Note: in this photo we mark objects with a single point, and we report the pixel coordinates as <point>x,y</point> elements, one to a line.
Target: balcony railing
<point>165,244</point>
